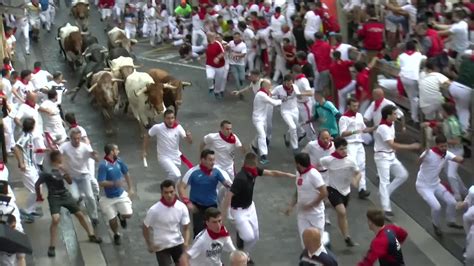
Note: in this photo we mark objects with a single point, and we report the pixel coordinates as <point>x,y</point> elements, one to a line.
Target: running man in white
<point>168,134</point>
<point>374,111</point>
<point>386,160</point>
<point>352,128</point>
<point>224,144</point>
<point>309,197</point>
<point>288,93</point>
<point>428,183</point>
<point>342,171</point>
<point>305,103</point>
<point>261,103</point>
<point>209,244</point>
<point>55,133</point>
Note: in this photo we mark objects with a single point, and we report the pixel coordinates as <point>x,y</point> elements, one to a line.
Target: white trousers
<point>306,221</point>
<point>386,188</point>
<point>246,224</point>
<point>261,139</point>
<point>149,29</point>
<point>455,181</point>
<point>468,221</point>
<point>24,28</point>
<point>198,37</point>
<point>219,77</point>
<point>411,88</point>
<point>105,13</point>
<point>357,152</point>
<point>45,17</point>
<point>462,97</point>
<point>9,133</point>
<point>170,167</point>
<point>343,93</point>
<point>280,68</point>
<point>130,31</point>
<point>250,58</point>
<point>30,176</point>
<point>305,109</point>
<point>291,120</point>
<point>432,196</point>
<point>94,182</point>
<point>82,185</point>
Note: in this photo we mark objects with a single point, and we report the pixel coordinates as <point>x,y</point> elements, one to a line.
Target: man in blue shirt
<point>326,114</point>
<point>116,205</point>
<point>203,180</point>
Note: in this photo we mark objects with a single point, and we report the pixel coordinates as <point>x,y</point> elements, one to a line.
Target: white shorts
<point>113,206</point>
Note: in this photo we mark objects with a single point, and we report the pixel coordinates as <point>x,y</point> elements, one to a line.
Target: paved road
<point>279,244</point>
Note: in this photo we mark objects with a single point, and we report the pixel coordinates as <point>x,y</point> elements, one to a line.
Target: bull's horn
<point>117,41</point>
<point>141,91</point>
<point>107,69</point>
<point>58,38</point>
<point>185,83</point>
<point>169,86</point>
<point>92,88</point>
<point>137,66</point>
<point>117,80</point>
<point>104,51</point>
<point>89,74</point>
<point>87,54</point>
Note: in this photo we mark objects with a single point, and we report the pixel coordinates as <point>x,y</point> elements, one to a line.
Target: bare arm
<point>276,173</point>
<point>356,179</point>
<point>184,260</point>
<point>19,157</point>
<point>201,146</point>
<point>226,204</point>
<point>128,179</point>
<point>292,203</point>
<point>189,137</point>
<point>146,235</point>
<point>398,146</point>
<point>186,235</point>
<point>458,159</point>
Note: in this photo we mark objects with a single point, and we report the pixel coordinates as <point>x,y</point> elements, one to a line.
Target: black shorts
<point>336,198</point>
<point>65,200</point>
<point>164,256</point>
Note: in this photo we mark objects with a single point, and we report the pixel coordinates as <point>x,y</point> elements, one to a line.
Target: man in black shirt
<point>315,253</point>
<point>59,196</point>
<point>239,198</point>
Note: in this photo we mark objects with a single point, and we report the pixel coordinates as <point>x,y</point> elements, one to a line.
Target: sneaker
<point>263,159</point>
<point>287,142</point>
<point>96,239</point>
<point>117,240</point>
<point>455,225</point>
<point>255,150</point>
<point>95,222</point>
<point>363,194</point>
<point>211,91</point>
<point>123,221</point>
<point>51,252</point>
<point>217,95</point>
<point>349,242</point>
<point>302,137</point>
<point>221,95</point>
<point>437,231</point>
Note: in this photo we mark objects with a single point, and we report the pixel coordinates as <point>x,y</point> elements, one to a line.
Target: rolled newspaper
<point>145,162</point>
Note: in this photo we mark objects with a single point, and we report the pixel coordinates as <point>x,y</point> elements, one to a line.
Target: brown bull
<point>173,91</point>
<point>104,89</point>
<point>80,12</point>
<point>70,42</point>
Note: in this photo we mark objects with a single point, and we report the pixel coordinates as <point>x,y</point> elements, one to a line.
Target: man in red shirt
<point>215,70</point>
<point>322,55</point>
<point>342,79</point>
<point>363,91</point>
<point>386,246</point>
<point>372,34</point>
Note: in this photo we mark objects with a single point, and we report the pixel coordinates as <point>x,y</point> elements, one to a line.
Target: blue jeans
<point>399,20</point>
<point>238,72</point>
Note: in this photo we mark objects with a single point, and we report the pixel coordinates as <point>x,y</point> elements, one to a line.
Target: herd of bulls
<point>110,73</point>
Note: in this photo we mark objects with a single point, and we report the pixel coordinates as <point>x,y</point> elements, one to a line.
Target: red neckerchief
<point>230,139</point>
<point>249,4</point>
<point>438,151</point>
<point>174,125</point>
<point>109,160</point>
<point>2,166</point>
<point>277,15</point>
<point>472,57</point>
<point>350,113</point>
<point>386,122</point>
<point>337,155</point>
<point>410,52</point>
<point>303,63</point>
<point>251,170</point>
<point>377,103</point>
<point>7,35</point>
<point>222,233</point>
<point>7,67</point>
<point>289,90</point>
<point>260,5</point>
<point>324,146</point>
<point>300,76</point>
<point>36,70</point>
<point>73,125</point>
<point>205,170</point>
<point>202,13</point>
<point>167,204</point>
<point>306,170</point>
<point>212,13</point>
<point>30,104</point>
<point>263,23</point>
<point>235,3</point>
<point>264,91</point>
<point>24,81</point>
<point>266,8</point>
<point>237,43</point>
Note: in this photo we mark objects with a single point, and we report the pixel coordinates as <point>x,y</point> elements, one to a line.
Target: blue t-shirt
<point>327,115</point>
<point>112,172</point>
<point>203,187</point>
<point>44,4</point>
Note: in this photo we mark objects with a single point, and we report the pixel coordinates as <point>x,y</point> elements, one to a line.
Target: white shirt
<point>240,48</point>
<point>307,185</point>
<point>340,172</point>
<point>77,158</point>
<point>430,88</point>
<point>431,166</point>
<point>7,89</point>
<point>376,116</point>
<point>354,123</point>
<point>344,48</point>
<point>410,65</point>
<point>206,251</point>
<point>313,22</point>
<point>167,141</point>
<point>382,134</point>
<point>303,85</point>
<point>261,103</point>
<point>290,105</point>
<point>276,23</point>
<point>59,88</point>
<point>22,89</point>
<point>40,79</point>
<point>460,36</point>
<point>316,152</point>
<point>198,24</point>
<point>26,111</point>
<point>52,122</point>
<point>224,151</point>
<point>166,223</point>
<point>411,10</point>
<point>163,22</point>
<point>149,14</point>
